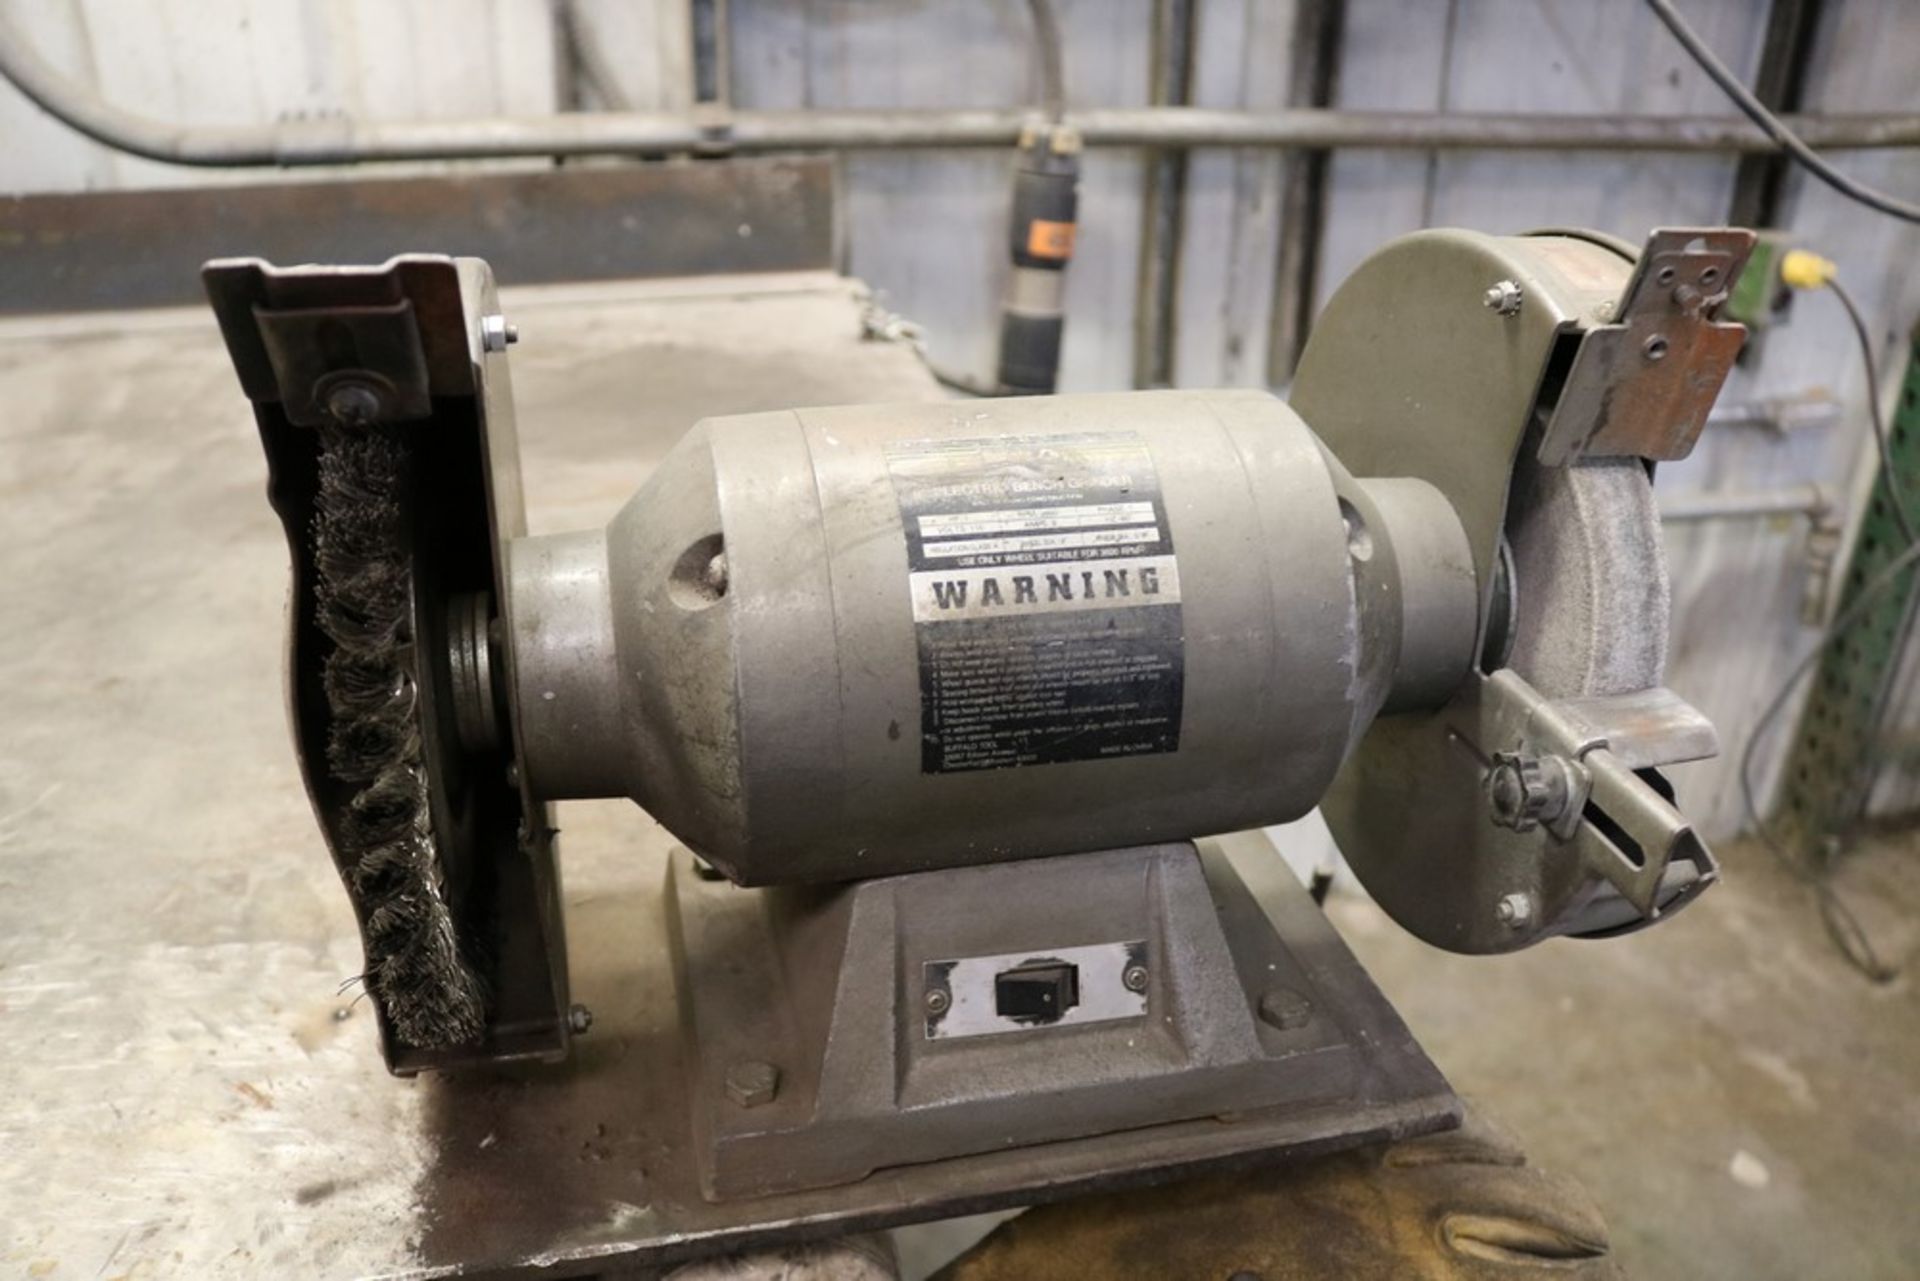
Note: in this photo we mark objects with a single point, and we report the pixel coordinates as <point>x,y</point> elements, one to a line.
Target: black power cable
<point>1848,935</point>
<point>1896,489</point>
<point>1046,42</point>
<point>1842,925</point>
<point>1772,125</point>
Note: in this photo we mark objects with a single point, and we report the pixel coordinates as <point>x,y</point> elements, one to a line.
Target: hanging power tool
<point>963,689</point>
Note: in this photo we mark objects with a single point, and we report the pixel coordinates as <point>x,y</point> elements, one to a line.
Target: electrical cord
<point>1807,271</point>
<point>954,380</point>
<point>1046,41</point>
<point>1772,125</point>
<point>1842,925</point>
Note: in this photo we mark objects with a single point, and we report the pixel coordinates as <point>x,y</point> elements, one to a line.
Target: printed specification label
<point>1046,599</point>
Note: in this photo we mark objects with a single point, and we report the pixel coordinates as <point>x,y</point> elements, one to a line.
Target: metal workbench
<point>190,1084</point>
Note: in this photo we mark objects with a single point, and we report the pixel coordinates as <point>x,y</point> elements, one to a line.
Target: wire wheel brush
<point>391,463</point>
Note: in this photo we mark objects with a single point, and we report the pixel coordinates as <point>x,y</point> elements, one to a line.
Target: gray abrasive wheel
<point>1591,601</point>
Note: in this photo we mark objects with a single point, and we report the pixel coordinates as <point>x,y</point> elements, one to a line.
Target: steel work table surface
<point>190,1084</point>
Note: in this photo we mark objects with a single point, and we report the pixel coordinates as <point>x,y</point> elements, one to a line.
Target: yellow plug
<point>1804,269</point>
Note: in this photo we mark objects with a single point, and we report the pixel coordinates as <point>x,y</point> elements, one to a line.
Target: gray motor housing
<point>740,651</point>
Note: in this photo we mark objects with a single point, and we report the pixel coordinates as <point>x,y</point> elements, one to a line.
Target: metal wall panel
<point>927,230</point>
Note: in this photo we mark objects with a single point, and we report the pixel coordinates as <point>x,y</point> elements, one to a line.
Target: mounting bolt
<point>1135,978</point>
<point>1504,298</point>
<point>353,403</point>
<point>496,334</point>
<point>938,999</point>
<point>751,1083</point>
<point>1515,911</point>
<point>579,1020</point>
<point>1285,1008</point>
<point>1526,791</point>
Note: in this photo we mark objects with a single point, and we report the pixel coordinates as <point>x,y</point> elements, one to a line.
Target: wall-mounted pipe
<point>1813,502</point>
<point>1810,501</point>
<point>343,141</point>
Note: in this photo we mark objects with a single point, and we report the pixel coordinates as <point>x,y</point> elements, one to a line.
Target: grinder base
<point>590,1165</point>
<point>835,1031</point>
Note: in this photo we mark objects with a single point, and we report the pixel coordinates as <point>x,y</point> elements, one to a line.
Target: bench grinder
<point>961,686</point>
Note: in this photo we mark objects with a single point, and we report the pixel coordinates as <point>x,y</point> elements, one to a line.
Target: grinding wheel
<point>1590,597</point>
<point>1531,804</point>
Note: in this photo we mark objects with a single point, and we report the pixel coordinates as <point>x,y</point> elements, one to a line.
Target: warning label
<point>1046,599</point>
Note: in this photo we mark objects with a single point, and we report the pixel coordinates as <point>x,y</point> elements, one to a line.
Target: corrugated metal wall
<point>927,229</point>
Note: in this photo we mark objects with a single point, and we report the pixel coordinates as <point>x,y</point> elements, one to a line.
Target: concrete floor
<point>1738,1101</point>
<point>171,937</point>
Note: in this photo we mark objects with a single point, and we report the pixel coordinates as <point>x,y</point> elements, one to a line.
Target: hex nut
<point>1515,910</point>
<point>751,1083</point>
<point>496,333</point>
<point>1525,791</point>
<point>1284,1008</point>
<point>1504,298</point>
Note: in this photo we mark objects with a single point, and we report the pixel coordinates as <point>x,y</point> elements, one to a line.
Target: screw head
<point>1504,298</point>
<point>353,403</point>
<point>579,1020</point>
<point>938,999</point>
<point>1515,910</point>
<point>1284,1008</point>
<point>751,1083</point>
<point>1135,978</point>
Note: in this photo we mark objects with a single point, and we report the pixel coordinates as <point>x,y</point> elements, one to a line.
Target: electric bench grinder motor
<point>963,684</point>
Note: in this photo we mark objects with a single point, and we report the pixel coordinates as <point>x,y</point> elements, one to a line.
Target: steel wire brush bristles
<point>416,969</point>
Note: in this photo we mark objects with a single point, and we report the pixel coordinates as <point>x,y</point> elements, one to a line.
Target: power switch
<point>1038,992</point>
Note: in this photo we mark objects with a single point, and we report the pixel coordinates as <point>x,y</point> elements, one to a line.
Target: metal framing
<point>340,140</point>
<point>1835,756</point>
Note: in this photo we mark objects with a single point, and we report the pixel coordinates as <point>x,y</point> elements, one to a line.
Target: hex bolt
<point>1504,298</point>
<point>495,333</point>
<point>1526,791</point>
<point>1515,910</point>
<point>1135,977</point>
<point>751,1083</point>
<point>938,999</point>
<point>579,1020</point>
<point>1284,1008</point>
